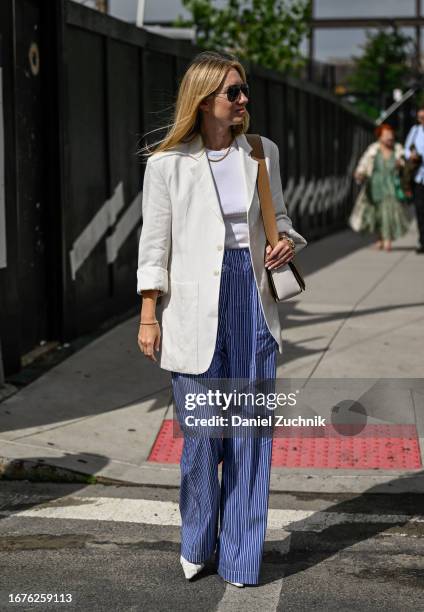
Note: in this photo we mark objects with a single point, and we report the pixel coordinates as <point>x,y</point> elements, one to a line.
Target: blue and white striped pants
<point>244,349</point>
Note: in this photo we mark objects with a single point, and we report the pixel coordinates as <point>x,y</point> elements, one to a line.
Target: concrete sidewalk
<point>99,411</point>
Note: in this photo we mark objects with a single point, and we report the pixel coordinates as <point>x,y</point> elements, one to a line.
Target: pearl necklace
<point>221,158</point>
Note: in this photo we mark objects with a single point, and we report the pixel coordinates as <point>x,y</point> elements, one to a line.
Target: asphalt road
<point>117,548</point>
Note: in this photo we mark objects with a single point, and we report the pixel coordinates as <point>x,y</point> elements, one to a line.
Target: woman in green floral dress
<point>381,212</point>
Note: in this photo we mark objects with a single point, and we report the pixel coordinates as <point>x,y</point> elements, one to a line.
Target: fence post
<point>1,368</point>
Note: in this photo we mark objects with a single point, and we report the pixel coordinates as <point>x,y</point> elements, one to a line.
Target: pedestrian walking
<point>378,208</point>
<point>201,250</point>
<point>414,152</point>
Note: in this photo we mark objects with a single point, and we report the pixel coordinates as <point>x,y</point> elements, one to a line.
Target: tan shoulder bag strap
<point>264,189</point>
<point>265,199</point>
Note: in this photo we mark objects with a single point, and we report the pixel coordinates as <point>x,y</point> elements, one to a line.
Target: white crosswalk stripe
<point>155,512</point>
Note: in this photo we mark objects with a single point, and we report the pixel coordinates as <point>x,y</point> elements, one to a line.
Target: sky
<point>341,44</point>
<point>330,45</point>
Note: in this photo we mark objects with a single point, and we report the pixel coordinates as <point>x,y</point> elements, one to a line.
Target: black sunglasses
<point>233,91</point>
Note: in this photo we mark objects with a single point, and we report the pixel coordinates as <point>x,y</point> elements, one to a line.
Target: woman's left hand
<point>281,254</point>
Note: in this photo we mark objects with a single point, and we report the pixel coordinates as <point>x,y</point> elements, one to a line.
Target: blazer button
<point>216,272</point>
<point>219,247</point>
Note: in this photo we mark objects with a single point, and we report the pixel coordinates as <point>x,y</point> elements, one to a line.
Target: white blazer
<point>181,247</point>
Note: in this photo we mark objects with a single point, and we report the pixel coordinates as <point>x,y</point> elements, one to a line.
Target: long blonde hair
<point>203,77</point>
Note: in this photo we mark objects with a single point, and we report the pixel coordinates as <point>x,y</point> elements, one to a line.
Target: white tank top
<point>231,189</point>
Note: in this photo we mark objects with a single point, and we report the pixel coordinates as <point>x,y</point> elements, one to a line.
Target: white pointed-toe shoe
<point>190,569</point>
<point>237,584</point>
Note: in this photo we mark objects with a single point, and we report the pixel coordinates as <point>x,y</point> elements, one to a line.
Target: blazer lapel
<point>202,173</point>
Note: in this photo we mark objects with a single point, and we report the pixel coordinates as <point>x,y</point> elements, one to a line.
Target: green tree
<point>384,66</point>
<point>265,32</point>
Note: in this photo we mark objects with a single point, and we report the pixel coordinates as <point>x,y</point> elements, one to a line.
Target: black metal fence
<point>79,89</point>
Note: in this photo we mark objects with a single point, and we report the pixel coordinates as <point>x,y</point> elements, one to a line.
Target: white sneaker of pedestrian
<point>190,569</point>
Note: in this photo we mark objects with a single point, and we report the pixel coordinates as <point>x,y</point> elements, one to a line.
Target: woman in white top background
<point>202,249</point>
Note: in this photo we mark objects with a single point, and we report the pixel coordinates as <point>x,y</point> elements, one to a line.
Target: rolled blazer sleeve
<point>155,238</point>
<point>284,223</point>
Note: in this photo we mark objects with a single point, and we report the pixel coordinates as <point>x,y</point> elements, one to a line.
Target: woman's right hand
<point>149,339</point>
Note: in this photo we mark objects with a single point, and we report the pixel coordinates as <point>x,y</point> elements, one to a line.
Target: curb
<point>283,481</point>
<point>37,471</point>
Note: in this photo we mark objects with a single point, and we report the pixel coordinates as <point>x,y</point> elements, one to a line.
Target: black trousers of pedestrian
<point>419,209</point>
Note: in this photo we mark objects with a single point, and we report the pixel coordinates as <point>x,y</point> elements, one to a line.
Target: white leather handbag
<point>285,281</point>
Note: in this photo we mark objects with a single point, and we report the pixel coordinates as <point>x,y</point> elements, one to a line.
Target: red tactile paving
<point>382,447</point>
<point>167,447</point>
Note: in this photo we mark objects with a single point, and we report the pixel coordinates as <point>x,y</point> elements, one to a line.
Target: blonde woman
<point>202,248</point>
